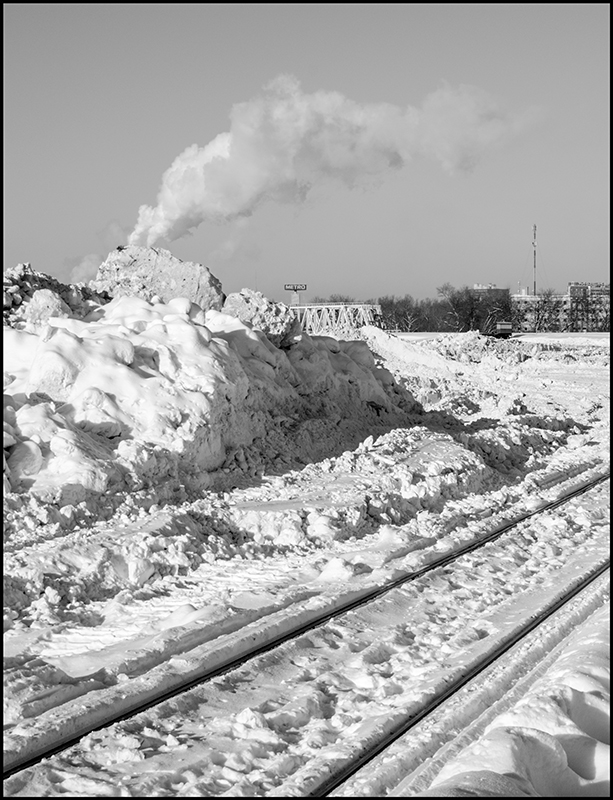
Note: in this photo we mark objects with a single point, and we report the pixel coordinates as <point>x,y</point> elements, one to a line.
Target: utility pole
<point>534,248</point>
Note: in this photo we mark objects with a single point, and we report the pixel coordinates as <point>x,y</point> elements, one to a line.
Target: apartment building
<point>584,307</point>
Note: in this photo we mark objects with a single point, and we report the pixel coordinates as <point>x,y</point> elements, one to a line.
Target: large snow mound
<point>148,272</point>
<point>141,393</point>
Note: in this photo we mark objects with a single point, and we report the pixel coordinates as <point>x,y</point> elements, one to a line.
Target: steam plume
<point>83,268</point>
<point>284,141</point>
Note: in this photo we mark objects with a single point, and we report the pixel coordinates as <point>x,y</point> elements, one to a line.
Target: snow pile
<point>580,351</point>
<point>143,393</point>
<point>473,347</point>
<point>150,272</point>
<point>276,320</point>
<point>465,375</point>
<point>555,741</point>
<point>32,297</point>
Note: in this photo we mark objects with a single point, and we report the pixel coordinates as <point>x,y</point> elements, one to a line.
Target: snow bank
<point>31,297</point>
<point>141,393</point>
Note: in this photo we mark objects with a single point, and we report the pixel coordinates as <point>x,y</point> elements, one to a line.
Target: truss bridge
<point>336,319</point>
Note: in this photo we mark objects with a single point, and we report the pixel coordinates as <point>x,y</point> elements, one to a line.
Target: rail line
<point>342,776</point>
<point>16,764</point>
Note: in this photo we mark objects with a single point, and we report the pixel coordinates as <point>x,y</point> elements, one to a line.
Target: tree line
<point>458,310</point>
<point>454,310</point>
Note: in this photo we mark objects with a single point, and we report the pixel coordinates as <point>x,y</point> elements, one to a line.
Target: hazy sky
<point>414,145</point>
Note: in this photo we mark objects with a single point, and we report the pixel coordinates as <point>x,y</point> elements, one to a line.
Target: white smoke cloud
<point>284,141</point>
<point>113,234</point>
<point>83,268</point>
<point>234,244</point>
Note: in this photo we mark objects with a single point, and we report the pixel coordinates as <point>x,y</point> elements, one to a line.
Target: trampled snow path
<point>317,532</point>
<point>323,697</point>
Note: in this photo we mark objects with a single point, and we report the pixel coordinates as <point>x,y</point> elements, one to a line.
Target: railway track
<point>537,660</point>
<point>337,780</point>
<point>16,762</point>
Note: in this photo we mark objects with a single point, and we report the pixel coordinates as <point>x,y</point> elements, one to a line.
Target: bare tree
<point>519,316</point>
<point>435,316</point>
<point>494,306</point>
<point>579,313</point>
<point>547,311</point>
<point>600,313</point>
<point>400,313</point>
<point>463,307</point>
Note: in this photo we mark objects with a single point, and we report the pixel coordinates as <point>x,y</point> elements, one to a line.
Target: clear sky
<point>101,99</point>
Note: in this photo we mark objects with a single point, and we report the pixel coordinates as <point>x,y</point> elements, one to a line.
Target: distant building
<point>582,289</point>
<point>490,288</point>
<point>585,307</point>
<point>588,306</point>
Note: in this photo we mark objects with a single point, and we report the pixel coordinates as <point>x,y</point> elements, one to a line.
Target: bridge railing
<point>337,319</point>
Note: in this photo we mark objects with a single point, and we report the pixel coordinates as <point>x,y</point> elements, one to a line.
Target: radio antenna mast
<point>534,248</point>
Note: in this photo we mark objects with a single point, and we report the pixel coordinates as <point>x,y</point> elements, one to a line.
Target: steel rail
<point>131,710</point>
<point>360,761</point>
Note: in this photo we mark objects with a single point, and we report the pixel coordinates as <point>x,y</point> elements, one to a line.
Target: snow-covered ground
<point>177,488</point>
<point>555,738</point>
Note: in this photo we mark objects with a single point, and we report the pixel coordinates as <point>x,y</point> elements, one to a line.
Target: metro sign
<point>295,287</point>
